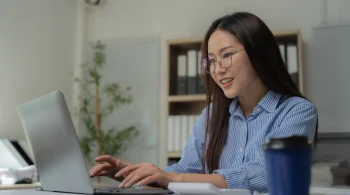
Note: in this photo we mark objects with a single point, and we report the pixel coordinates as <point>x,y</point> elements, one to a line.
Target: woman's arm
<point>215,179</point>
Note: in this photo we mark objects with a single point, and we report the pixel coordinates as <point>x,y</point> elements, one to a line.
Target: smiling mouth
<point>226,80</point>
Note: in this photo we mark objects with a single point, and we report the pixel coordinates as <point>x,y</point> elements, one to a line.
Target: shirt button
<point>241,150</point>
<point>258,109</point>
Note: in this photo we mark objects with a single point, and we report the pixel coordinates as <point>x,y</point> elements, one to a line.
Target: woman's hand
<point>145,174</point>
<point>108,166</point>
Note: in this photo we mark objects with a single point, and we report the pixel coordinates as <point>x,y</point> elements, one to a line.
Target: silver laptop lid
<point>53,141</point>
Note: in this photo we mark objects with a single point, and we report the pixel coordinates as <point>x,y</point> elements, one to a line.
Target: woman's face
<point>234,72</point>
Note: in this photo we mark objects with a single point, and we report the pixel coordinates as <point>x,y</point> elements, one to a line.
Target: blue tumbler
<point>288,163</point>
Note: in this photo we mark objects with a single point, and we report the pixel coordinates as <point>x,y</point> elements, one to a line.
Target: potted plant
<point>93,111</point>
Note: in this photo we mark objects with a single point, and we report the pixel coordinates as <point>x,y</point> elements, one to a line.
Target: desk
<point>18,186</point>
<point>27,189</point>
<point>314,191</point>
<point>30,192</point>
<point>31,186</point>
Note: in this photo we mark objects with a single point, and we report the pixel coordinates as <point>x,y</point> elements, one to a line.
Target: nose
<point>218,68</point>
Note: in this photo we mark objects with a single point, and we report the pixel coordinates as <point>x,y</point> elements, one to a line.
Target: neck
<point>252,96</point>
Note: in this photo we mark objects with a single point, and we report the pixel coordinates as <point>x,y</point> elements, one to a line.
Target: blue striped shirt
<point>242,162</point>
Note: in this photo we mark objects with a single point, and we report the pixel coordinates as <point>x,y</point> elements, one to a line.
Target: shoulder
<point>295,116</point>
<point>288,103</point>
<point>296,110</point>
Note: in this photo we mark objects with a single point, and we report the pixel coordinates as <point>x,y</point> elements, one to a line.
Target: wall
<point>183,19</point>
<point>36,55</point>
<point>331,54</point>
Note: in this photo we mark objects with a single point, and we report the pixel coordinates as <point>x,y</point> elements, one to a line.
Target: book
<point>191,70</point>
<point>170,134</point>
<point>292,62</point>
<point>282,51</point>
<point>181,74</point>
<point>292,57</point>
<point>177,133</point>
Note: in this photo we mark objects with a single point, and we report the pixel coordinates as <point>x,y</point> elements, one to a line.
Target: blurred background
<point>150,57</point>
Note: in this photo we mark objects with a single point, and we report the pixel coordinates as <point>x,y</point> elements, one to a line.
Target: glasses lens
<point>227,62</point>
<point>206,65</point>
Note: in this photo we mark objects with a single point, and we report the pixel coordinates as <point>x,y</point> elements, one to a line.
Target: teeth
<point>226,81</point>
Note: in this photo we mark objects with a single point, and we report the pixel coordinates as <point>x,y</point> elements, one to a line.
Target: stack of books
<point>179,130</point>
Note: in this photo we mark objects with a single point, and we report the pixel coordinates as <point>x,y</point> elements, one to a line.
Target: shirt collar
<point>233,106</point>
<point>269,102</point>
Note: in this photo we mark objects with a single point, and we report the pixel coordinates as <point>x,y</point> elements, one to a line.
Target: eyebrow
<point>221,50</point>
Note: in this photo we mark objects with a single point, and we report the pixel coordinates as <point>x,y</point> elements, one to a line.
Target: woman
<point>253,99</point>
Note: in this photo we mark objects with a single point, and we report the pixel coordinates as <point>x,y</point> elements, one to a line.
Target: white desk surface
<point>30,192</point>
<point>314,191</point>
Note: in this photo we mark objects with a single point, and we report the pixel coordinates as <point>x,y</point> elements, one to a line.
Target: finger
<point>93,168</point>
<point>103,173</point>
<point>148,180</point>
<point>136,176</point>
<point>127,169</point>
<point>99,168</point>
<point>126,180</point>
<point>121,164</point>
<point>107,158</point>
<point>108,174</point>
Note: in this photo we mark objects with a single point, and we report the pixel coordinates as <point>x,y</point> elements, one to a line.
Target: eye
<point>211,61</point>
<point>226,55</point>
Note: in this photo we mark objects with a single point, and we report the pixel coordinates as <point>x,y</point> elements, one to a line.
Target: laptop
<point>57,154</point>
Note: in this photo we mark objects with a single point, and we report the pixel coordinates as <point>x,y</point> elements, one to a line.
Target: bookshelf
<point>186,98</point>
<point>184,105</point>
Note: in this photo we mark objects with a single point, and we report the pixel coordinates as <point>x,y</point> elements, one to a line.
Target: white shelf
<point>186,98</point>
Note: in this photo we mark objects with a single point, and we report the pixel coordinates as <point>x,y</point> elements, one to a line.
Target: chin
<point>230,93</point>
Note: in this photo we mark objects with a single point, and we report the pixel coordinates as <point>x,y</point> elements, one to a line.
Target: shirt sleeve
<point>299,120</point>
<point>190,161</point>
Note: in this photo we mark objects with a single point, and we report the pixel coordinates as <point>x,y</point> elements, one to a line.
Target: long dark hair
<point>264,54</point>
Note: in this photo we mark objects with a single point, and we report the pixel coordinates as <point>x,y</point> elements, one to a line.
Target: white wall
<point>37,40</point>
<point>183,19</point>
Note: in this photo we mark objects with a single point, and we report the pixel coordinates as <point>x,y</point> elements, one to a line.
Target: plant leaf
<point>113,141</point>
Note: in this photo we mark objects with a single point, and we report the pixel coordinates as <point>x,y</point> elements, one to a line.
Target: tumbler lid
<point>287,142</point>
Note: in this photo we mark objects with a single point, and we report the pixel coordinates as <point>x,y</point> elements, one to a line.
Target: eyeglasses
<point>209,65</point>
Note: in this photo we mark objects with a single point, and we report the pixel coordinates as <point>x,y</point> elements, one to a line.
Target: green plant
<point>93,111</point>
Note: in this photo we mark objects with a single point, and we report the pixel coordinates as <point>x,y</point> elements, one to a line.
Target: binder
<point>177,134</point>
<point>292,62</point>
<point>191,70</point>
<point>292,59</point>
<point>170,134</point>
<point>181,74</point>
<point>282,51</point>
